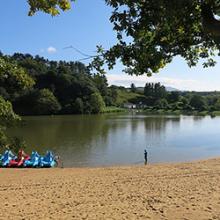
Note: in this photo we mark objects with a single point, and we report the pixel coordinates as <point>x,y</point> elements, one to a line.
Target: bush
<point>198,103</point>
<point>97,104</point>
<point>46,103</point>
<point>161,104</point>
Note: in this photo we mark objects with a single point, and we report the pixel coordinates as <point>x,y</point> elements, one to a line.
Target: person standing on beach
<point>145,157</point>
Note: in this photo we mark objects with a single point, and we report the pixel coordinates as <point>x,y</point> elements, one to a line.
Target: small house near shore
<point>130,105</point>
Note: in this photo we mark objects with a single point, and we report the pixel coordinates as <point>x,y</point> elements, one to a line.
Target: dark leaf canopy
<point>150,33</point>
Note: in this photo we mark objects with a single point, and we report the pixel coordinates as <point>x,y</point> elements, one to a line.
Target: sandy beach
<point>164,191</point>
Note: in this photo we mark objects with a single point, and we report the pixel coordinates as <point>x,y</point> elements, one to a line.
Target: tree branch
<point>210,24</point>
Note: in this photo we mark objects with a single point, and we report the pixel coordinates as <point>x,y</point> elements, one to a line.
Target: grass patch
<point>215,113</point>
<point>113,109</point>
<point>125,96</point>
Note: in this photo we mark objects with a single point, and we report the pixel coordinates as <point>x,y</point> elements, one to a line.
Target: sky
<point>83,27</point>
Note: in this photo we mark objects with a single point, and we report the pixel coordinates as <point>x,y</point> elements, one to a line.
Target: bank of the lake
<point>113,109</point>
<point>179,112</point>
<point>152,111</point>
<point>164,191</point>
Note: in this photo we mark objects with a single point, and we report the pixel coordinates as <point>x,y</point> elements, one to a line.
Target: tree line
<point>155,97</point>
<point>53,87</point>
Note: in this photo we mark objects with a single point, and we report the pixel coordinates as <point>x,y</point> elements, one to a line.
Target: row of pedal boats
<point>35,160</point>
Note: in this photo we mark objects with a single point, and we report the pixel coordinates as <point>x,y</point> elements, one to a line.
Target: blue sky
<point>84,27</point>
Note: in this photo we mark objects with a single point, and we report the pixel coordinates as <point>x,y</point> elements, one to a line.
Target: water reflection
<point>121,138</point>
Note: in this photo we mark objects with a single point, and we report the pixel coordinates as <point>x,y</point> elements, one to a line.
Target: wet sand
<point>165,191</point>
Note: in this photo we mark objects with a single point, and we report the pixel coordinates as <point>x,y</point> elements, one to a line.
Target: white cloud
<point>51,50</point>
<point>182,84</point>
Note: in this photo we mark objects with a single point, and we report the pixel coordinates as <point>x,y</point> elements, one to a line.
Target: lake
<point>120,139</point>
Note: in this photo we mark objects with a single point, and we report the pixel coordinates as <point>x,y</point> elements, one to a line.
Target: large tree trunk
<point>210,24</point>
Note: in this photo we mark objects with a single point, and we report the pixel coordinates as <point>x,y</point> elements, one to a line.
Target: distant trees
<point>113,93</point>
<point>198,102</point>
<point>155,90</point>
<point>97,104</point>
<point>78,106</point>
<point>101,84</point>
<point>133,88</point>
<point>216,105</point>
<point>37,86</point>
<point>157,97</point>
<point>161,104</point>
<point>45,103</point>
<point>37,102</point>
<point>173,96</point>
<point>53,87</point>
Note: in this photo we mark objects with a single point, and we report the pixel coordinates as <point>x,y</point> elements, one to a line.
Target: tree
<point>159,91</point>
<point>78,105</point>
<point>155,90</point>
<point>13,78</point>
<point>7,118</point>
<point>149,89</point>
<point>198,102</point>
<point>112,96</point>
<point>97,104</point>
<point>174,96</point>
<point>52,7</point>
<point>71,83</point>
<point>159,31</point>
<point>133,88</point>
<point>216,106</point>
<point>46,103</point>
<point>161,104</point>
<point>101,83</point>
<point>7,115</point>
<point>37,102</point>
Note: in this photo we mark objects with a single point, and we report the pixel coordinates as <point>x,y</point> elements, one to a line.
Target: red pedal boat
<point>19,161</point>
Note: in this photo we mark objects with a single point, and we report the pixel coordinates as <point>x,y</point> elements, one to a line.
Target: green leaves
<point>46,103</point>
<point>7,115</point>
<point>97,104</point>
<point>52,7</point>
<point>151,33</point>
<point>14,78</point>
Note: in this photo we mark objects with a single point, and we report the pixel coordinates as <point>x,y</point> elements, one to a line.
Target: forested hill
<point>57,87</point>
<point>37,86</point>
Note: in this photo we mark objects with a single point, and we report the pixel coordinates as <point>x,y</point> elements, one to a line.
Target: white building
<point>130,106</point>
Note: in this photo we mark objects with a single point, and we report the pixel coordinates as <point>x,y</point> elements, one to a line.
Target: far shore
<point>161,191</point>
<point>115,110</point>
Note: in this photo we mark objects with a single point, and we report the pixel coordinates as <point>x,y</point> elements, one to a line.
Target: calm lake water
<point>113,139</point>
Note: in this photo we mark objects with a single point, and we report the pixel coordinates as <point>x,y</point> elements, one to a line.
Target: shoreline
<point>189,190</point>
<point>136,164</point>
